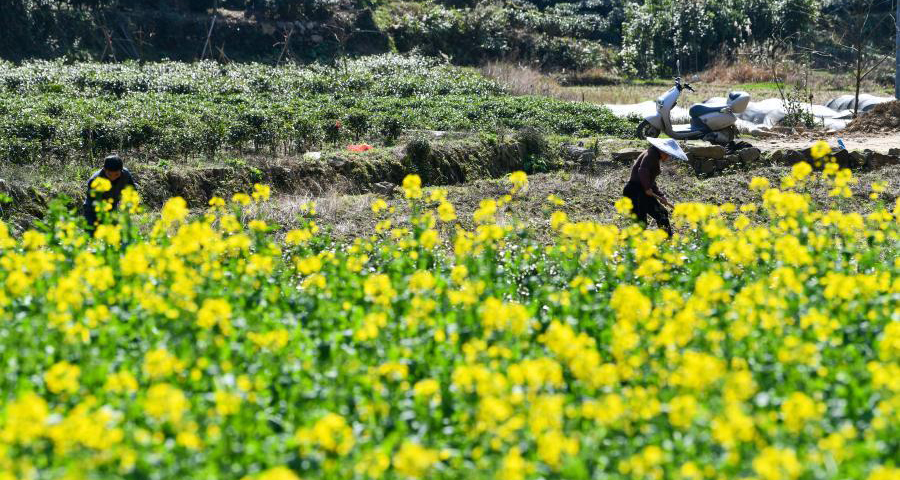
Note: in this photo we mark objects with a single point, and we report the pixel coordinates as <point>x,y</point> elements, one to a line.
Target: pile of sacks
<point>835,115</point>
<point>761,116</point>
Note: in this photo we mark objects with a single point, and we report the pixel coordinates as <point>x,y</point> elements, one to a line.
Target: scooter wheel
<point>646,130</point>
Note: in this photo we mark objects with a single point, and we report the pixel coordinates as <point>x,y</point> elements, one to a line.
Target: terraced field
<point>270,306</point>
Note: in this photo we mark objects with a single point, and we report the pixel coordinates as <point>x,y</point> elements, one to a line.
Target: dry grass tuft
<point>346,215</point>
<point>520,79</point>
<point>594,77</point>
<point>741,71</point>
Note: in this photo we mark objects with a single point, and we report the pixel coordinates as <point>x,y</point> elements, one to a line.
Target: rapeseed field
<point>761,342</point>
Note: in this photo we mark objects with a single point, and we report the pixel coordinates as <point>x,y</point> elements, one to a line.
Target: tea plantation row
<point>174,109</point>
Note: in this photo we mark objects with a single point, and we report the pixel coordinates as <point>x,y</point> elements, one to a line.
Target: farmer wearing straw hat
<point>119,177</point>
<point>646,197</point>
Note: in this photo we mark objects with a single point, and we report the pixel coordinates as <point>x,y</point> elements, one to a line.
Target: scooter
<point>714,124</point>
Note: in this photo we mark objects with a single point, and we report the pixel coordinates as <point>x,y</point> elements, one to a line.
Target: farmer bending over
<point>646,198</point>
<point>119,177</point>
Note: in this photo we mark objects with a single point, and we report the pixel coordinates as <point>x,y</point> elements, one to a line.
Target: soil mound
<point>885,117</point>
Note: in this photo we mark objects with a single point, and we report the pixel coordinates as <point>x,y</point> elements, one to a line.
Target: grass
<point>602,87</point>
<point>641,92</point>
<point>757,86</point>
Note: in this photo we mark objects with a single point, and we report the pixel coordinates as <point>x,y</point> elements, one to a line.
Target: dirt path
<point>877,142</point>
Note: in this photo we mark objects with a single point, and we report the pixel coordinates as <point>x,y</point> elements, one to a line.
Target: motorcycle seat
<point>685,128</point>
<point>700,110</point>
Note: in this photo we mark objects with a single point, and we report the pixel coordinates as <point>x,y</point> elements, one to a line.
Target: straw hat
<point>669,146</point>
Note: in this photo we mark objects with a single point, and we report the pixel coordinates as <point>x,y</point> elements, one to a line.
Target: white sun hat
<point>669,146</point>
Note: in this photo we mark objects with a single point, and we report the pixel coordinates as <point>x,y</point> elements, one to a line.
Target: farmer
<point>646,198</point>
<point>119,177</point>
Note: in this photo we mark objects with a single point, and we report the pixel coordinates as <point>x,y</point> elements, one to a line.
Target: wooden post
<point>287,43</point>
<point>208,36</point>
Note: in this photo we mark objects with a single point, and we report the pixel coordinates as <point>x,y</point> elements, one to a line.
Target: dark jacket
<point>645,170</point>
<point>115,193</point>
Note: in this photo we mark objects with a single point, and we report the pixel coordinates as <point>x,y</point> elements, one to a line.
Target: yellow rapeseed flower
<point>62,377</point>
<point>174,210</point>
<point>554,199</point>
<point>215,311</point>
<point>519,180</point>
<point>514,466</point>
<point>373,464</point>
<point>378,205</point>
<point>775,463</point>
<point>121,382</point>
<point>110,234</point>
<point>26,418</point>
<point>331,433</point>
<point>799,409</point>
<point>486,210</point>
<point>160,363</point>
<point>258,226</point>
<point>624,206</point>
<point>131,200</point>
<point>412,187</point>
<point>166,402</point>
<point>275,473</point>
<point>820,149</point>
<point>801,170</point>
<point>446,212</point>
<point>428,239</point>
<point>426,388</point>
<point>261,192</point>
<point>413,460</point>
<point>101,184</point>
<point>227,403</point>
<point>241,198</point>
<point>298,237</point>
<point>378,289</point>
<point>682,410</point>
<point>759,184</point>
<point>882,472</point>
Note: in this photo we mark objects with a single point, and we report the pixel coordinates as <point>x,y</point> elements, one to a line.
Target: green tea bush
<point>390,128</point>
<point>332,129</point>
<point>358,123</point>
<point>377,75</point>
<point>306,133</point>
<point>128,107</point>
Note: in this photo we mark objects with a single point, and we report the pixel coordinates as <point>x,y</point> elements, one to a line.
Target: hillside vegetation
<point>633,37</point>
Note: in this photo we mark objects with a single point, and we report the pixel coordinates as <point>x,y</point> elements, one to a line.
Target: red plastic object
<point>359,148</point>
